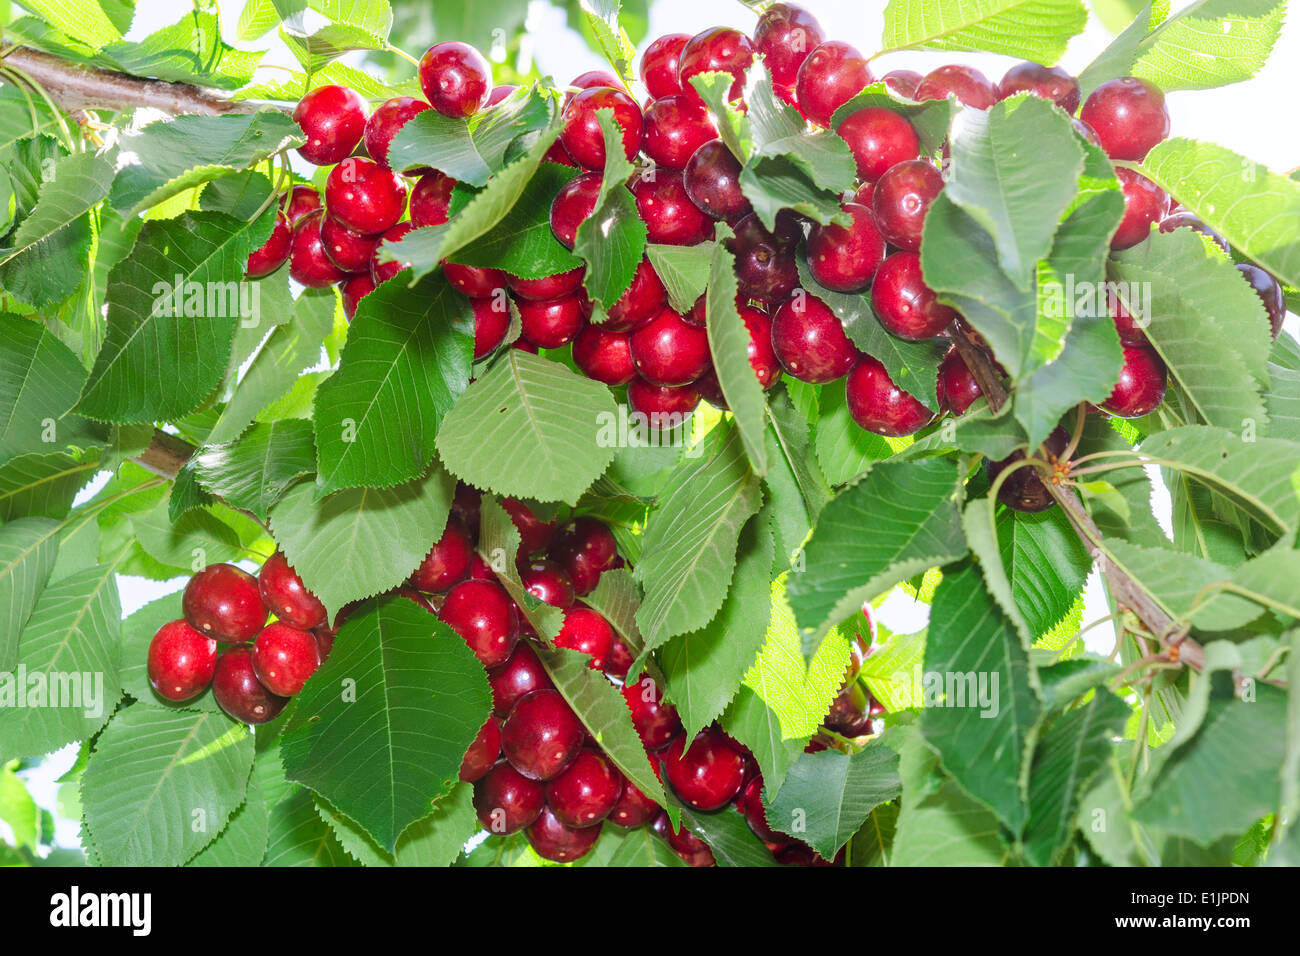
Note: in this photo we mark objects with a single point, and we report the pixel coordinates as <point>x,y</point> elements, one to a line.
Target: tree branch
<point>165,456</point>
<point>76,87</point>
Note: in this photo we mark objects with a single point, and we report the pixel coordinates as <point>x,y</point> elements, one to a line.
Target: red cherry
<point>1023,489</point>
<point>308,263</point>
<point>456,78</point>
<point>546,581</point>
<point>1185,219</point>
<point>1049,82</point>
<point>499,93</point>
<point>879,138</point>
<point>431,199</point>
<point>905,305</point>
<point>670,216</point>
<point>712,181</point>
<point>1141,386</point>
<point>534,533</point>
<point>181,661</point>
<point>222,601</point>
<point>490,325</point>
<point>1270,293</point>
<point>684,843</point>
<point>786,33</point>
<point>880,406</point>
<point>620,659</point>
<point>333,118</point>
<point>553,323</point>
<point>1130,331</point>
<point>664,406</point>
<point>586,792</point>
<point>901,200</point>
<point>956,388</point>
<point>447,561</point>
<point>833,74</point>
<point>762,357</point>
<point>971,87</point>
<point>1129,116</point>
<point>273,253</point>
<point>659,65</point>
<point>709,773</point>
<point>521,674</point>
<point>473,281</point>
<point>348,250</point>
<point>586,631</point>
<point>506,801</point>
<point>586,543</point>
<point>675,128</point>
<point>572,206</point>
<point>750,802</point>
<point>387,121</point>
<point>482,753</point>
<point>633,808</point>
<point>845,258</point>
<point>283,592</point>
<point>284,657</point>
<point>547,287</point>
<point>541,737</point>
<point>718,49</point>
<point>765,261</point>
<point>382,270</point>
<point>553,840</point>
<point>353,289</point>
<point>483,615</point>
<point>657,721</point>
<point>364,196</point>
<point>642,301</point>
<point>809,340</point>
<point>903,82</point>
<point>670,351</point>
<point>300,201</point>
<point>603,355</point>
<point>1145,204</point>
<point>238,691</point>
<point>582,136</point>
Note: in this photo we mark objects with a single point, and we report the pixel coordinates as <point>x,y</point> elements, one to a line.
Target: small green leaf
<point>255,471</point>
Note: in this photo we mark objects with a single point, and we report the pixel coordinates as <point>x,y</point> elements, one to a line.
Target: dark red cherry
<point>675,128</point>
<point>621,659</point>
<point>541,736</point>
<point>554,840</point>
<point>659,64</point>
<point>181,661</point>
<point>905,305</point>
<point>381,268</point>
<point>506,801</point>
<point>284,594</point>
<point>1189,220</point>
<point>553,323</point>
<point>482,753</point>
<point>971,87</point>
<point>301,200</point>
<point>683,842</point>
<point>750,803</point>
<point>474,281</point>
<point>386,121</point>
<point>547,287</point>
<point>586,792</point>
<point>585,548</point>
<point>521,674</point>
<point>765,261</point>
<point>348,250</point>
<point>878,138</point>
<point>1084,130</point>
<point>1131,330</point>
<point>1145,204</point>
<point>643,300</point>
<point>222,602</point>
<point>582,136</point>
<point>499,93</point>
<point>718,49</point>
<point>546,581</point>
<point>849,712</point>
<point>273,253</point>
<point>762,357</point>
<point>669,350</point>
<point>832,74</point>
<point>491,323</point>
<point>670,216</point>
<point>534,533</point>
<point>447,561</point>
<point>786,33</point>
<point>903,82</point>
<point>1023,489</point>
<point>712,181</point>
<point>1129,116</point>
<point>284,657</point>
<point>656,721</point>
<point>809,340</point>
<point>431,199</point>
<point>587,632</point>
<point>664,406</point>
<point>1270,293</point>
<point>1049,82</point>
<point>633,808</point>
<point>1141,386</point>
<point>956,388</point>
<point>709,773</point>
<point>573,205</point>
<point>483,615</point>
<point>845,258</point>
<point>308,263</point>
<point>880,406</point>
<point>333,118</point>
<point>901,200</point>
<point>456,78</point>
<point>603,355</point>
<point>353,289</point>
<point>238,691</point>
<point>364,196</point>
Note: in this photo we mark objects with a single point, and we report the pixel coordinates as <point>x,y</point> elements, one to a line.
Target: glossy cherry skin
<point>238,691</point>
<point>585,793</point>
<point>273,253</point>
<point>956,388</point>
<point>333,118</point>
<point>587,632</point>
<point>431,199</point>
<point>447,561</point>
<point>786,33</point>
<point>474,281</point>
<point>585,548</point>
<point>491,323</point>
<point>353,289</point>
<point>552,323</point>
<point>669,350</point>
<point>506,801</point>
<point>901,200</point>
<point>718,49</point>
<point>709,773</point>
<point>284,594</point>
<point>683,842</point>
<point>765,261</point>
<point>348,250</point>
<point>551,839</point>
<point>621,659</point>
<point>670,216</point>
<point>456,78</point>
<point>675,128</point>
<point>905,305</point>
<point>1131,331</point>
<point>572,206</point>
<point>1141,386</point>
<point>1145,204</point>
<point>831,75</point>
<point>385,123</point>
<point>604,356</point>
<point>1129,116</point>
<point>880,406</point>
<point>284,657</point>
<point>308,263</point>
<point>519,676</point>
<point>971,87</point>
<point>222,602</point>
<point>903,82</point>
<point>762,357</point>
<point>381,268</point>
<point>809,340</point>
<point>878,138</point>
<point>541,737</point>
<point>1270,293</point>
<point>1049,82</point>
<point>1023,489</point>
<point>660,62</point>
<point>581,134</point>
<point>644,299</point>
<point>181,661</point>
<point>483,615</point>
<point>664,406</point>
<point>534,533</point>
<point>657,721</point>
<point>750,803</point>
<point>845,258</point>
<point>849,712</point>
<point>499,93</point>
<point>633,808</point>
<point>364,196</point>
<point>1184,219</point>
<point>546,581</point>
<point>482,753</point>
<point>712,181</point>
<point>301,200</point>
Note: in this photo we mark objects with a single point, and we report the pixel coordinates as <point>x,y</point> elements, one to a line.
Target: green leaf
<point>188,51</point>
<point>641,847</point>
<point>729,837</point>
<point>1035,29</point>
<point>255,471</point>
<point>873,844</point>
<point>684,271</point>
<point>983,725</point>
<point>438,839</point>
<point>299,837</point>
<point>28,550</point>
<point>893,671</point>
<point>530,428</point>
<point>930,118</point>
<point>1210,43</point>
<point>82,20</point>
<point>616,599</point>
<point>795,485</point>
<point>194,539</point>
<point>1254,209</point>
<point>828,795</point>
<point>729,341</point>
<point>690,540</point>
<point>1047,564</point>
<point>243,842</point>
<point>1117,59</point>
<point>615,46</point>
<point>613,238</point>
<point>381,729</point>
<point>18,810</point>
<point>172,155</point>
<point>406,361</point>
<point>844,448</point>
<point>68,652</point>
<point>358,543</point>
<point>157,364</point>
<point>498,541</point>
<point>159,787</point>
<point>40,379</point>
<point>912,513</point>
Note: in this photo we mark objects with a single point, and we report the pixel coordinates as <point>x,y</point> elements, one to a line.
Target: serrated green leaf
<point>1117,59</point>
<point>297,836</point>
<point>243,842</point>
<point>1210,43</point>
<point>255,471</point>
<point>1034,29</point>
<point>684,271</point>
<point>795,485</point>
<point>188,51</point>
<point>40,379</point>
<point>613,238</point>
<point>729,837</point>
<point>28,549</point>
<point>893,672</point>
<point>195,539</point>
